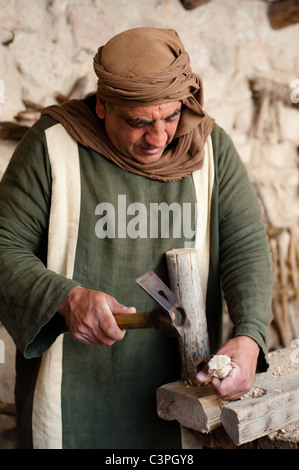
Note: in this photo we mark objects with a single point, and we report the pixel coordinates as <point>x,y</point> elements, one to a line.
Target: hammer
<point>171,317</point>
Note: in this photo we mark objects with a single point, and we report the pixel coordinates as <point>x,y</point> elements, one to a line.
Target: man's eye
<point>137,124</point>
<point>172,118</point>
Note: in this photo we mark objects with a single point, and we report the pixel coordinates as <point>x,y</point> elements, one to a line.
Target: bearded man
<point>76,230</point>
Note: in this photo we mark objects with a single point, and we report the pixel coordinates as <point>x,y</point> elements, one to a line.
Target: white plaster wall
<point>46,44</point>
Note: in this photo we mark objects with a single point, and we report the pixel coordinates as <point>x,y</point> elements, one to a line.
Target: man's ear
<point>100,109</point>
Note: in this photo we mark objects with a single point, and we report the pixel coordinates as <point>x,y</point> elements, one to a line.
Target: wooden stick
<point>191,4</point>
<point>185,283</point>
<point>294,274</point>
<point>27,116</point>
<point>282,255</point>
<point>282,14</point>
<point>31,105</point>
<point>7,409</point>
<point>12,130</point>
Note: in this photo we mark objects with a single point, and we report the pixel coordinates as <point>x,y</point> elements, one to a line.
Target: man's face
<point>141,133</point>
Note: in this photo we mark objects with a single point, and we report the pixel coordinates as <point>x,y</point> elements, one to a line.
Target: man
<point>83,208</point>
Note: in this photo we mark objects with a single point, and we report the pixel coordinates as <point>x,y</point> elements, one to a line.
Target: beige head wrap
<point>144,67</point>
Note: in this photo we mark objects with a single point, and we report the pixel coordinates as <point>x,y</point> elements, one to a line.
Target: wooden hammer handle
<point>129,321</point>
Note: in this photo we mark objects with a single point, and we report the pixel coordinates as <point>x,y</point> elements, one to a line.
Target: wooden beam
<point>194,407</point>
<point>283,13</point>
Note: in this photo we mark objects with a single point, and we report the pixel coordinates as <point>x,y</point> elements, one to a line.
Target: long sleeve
<point>30,294</point>
<point>244,253</point>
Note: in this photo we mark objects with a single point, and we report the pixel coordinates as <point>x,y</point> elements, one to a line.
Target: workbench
<point>266,417</point>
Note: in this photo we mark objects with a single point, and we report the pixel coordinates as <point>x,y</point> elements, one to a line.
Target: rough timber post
<point>185,283</point>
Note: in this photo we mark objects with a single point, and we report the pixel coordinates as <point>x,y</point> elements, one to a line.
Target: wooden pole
<point>185,283</point>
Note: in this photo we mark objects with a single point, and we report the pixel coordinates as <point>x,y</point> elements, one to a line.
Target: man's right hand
<point>89,316</point>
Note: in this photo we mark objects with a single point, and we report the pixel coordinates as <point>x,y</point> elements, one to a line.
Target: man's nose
<point>156,135</point>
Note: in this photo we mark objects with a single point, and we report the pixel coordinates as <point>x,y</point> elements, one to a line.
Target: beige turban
<point>144,67</point>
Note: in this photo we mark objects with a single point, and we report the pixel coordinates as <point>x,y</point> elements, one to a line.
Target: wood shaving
<point>219,366</point>
<point>255,392</point>
<point>277,372</point>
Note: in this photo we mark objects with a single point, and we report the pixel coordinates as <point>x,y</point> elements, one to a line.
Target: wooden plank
<point>185,283</point>
<point>244,420</point>
<point>283,13</point>
<point>247,423</point>
<point>196,408</point>
<point>251,418</point>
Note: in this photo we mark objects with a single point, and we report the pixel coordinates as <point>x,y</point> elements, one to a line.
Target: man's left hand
<point>243,352</point>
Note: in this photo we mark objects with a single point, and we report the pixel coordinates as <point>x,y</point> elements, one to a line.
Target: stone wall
<point>45,45</point>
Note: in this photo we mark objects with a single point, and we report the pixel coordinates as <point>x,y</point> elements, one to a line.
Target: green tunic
<point>108,393</point>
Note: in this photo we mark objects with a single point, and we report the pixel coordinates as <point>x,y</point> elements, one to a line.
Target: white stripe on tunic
<point>63,234</point>
<point>203,182</point>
